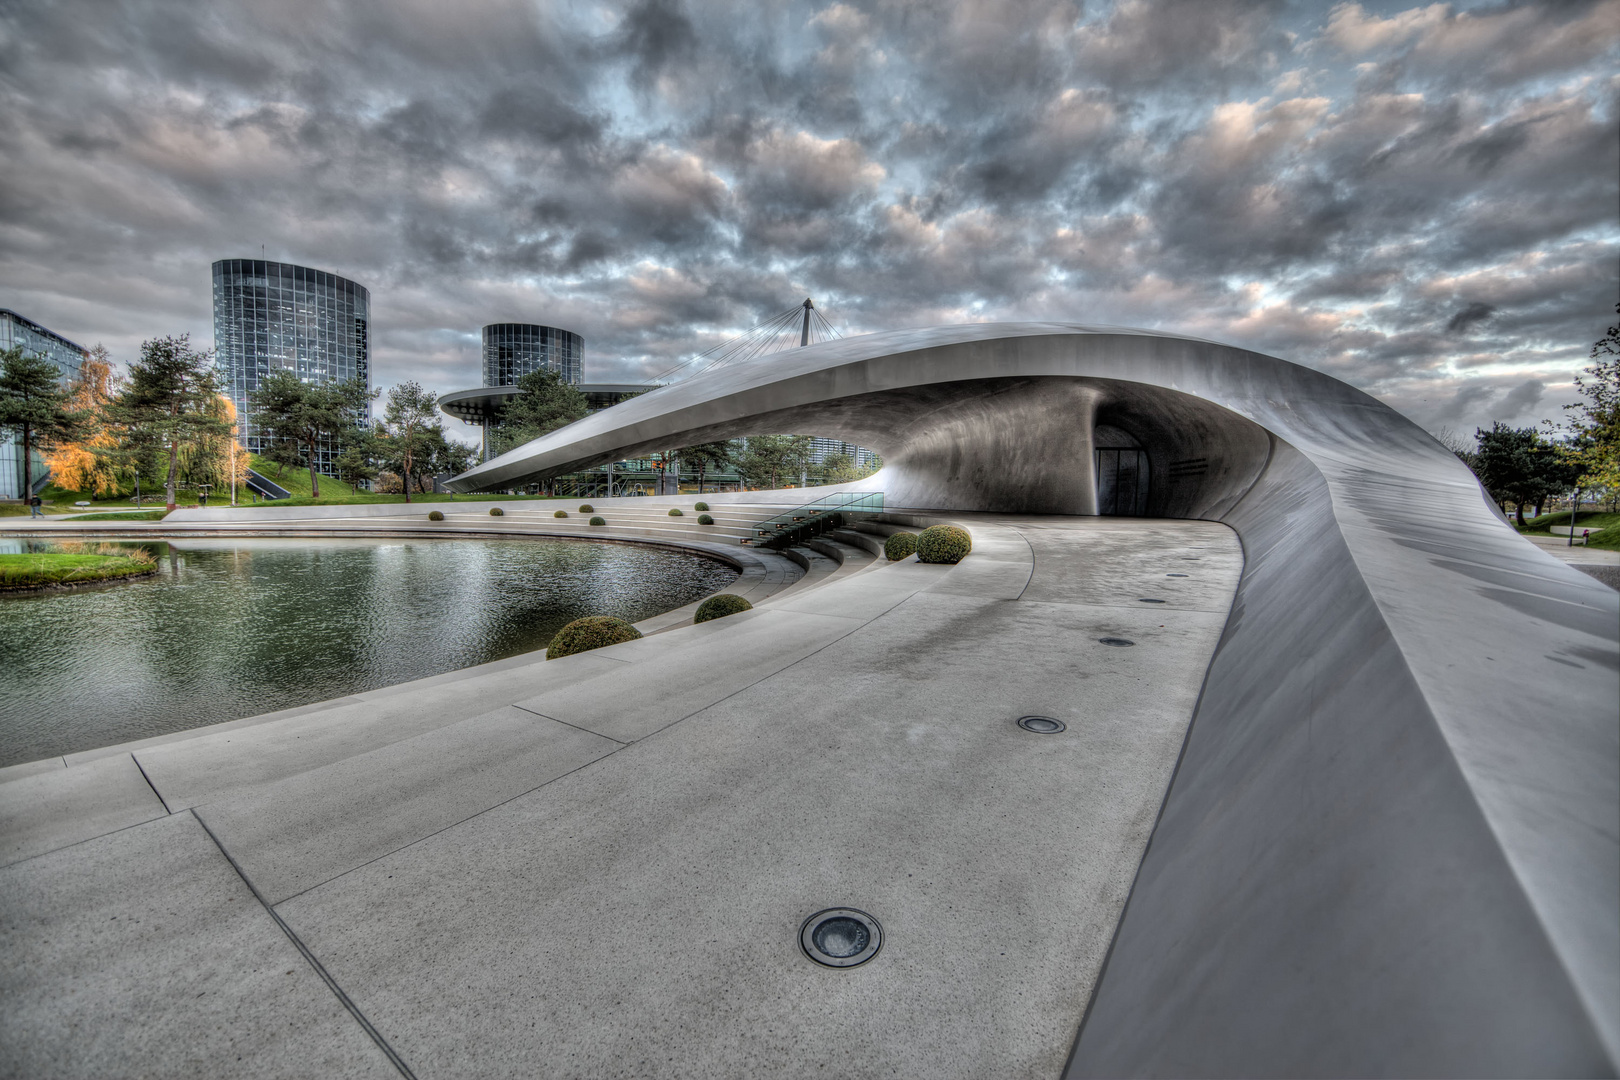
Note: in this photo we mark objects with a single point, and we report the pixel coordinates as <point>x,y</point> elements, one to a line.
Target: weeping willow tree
<point>91,463</point>
<point>215,456</point>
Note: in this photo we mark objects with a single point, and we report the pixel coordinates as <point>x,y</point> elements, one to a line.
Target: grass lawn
<point>60,568</point>
<point>1589,519</point>
<point>132,515</point>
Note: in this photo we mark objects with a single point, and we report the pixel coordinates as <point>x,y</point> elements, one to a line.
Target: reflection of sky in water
<point>233,628</point>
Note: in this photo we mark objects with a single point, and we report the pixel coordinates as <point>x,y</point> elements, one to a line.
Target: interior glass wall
<point>1123,479</point>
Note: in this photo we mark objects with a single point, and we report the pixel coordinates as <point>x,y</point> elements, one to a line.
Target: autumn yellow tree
<point>90,464</point>
<point>215,456</point>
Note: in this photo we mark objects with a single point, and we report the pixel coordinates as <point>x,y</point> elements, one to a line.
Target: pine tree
<point>34,405</point>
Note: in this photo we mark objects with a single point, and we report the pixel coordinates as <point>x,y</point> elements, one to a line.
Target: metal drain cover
<point>1042,725</point>
<point>1148,600</point>
<point>1117,642</point>
<point>841,937</point>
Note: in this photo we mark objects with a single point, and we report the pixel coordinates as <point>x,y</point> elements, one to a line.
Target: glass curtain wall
<point>273,316</point>
<point>68,357</point>
<point>513,350</point>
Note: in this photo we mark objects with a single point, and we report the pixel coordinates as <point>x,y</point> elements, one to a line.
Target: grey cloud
<point>658,175</point>
<point>1475,312</point>
<point>1521,399</point>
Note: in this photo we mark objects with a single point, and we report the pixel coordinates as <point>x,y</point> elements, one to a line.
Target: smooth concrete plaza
<point>1348,809</point>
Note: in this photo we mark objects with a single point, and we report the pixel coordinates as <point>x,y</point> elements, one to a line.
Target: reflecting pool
<point>233,628</point>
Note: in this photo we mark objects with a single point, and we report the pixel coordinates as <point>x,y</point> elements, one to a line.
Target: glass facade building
<point>513,350</point>
<point>67,356</point>
<point>273,316</point>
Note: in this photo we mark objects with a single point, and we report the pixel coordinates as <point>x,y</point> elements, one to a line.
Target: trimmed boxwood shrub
<point>899,546</point>
<point>585,508</point>
<point>434,515</point>
<point>559,513</point>
<point>675,513</point>
<point>700,506</point>
<point>705,519</point>
<point>721,605</point>
<point>591,632</point>
<point>943,544</point>
<point>496,511</point>
<point>598,521</point>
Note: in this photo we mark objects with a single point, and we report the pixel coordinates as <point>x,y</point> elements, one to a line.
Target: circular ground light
<point>1117,642</point>
<point>1042,725</point>
<point>1148,600</point>
<point>840,937</point>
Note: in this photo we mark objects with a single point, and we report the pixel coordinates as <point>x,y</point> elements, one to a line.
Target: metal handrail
<point>813,518</point>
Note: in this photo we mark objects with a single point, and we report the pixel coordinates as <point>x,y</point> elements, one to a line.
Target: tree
<point>1594,424</point>
<point>411,421</point>
<point>838,469</point>
<point>706,456</point>
<point>215,458</point>
<point>310,416</point>
<point>91,462</point>
<point>545,402</point>
<point>1517,465</point>
<point>771,456</point>
<point>170,402</point>
<point>34,406</point>
<point>357,463</point>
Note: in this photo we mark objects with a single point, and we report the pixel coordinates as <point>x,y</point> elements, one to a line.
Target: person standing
<point>33,507</point>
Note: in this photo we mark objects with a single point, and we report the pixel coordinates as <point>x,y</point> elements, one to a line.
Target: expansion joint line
<point>331,983</point>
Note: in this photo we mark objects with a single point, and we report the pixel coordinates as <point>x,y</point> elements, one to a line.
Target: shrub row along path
<point>599,865</point>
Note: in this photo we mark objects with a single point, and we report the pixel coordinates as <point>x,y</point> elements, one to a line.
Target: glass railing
<point>813,518</point>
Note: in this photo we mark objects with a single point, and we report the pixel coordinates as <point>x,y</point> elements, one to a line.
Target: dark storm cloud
<point>1475,312</point>
<point>1417,198</point>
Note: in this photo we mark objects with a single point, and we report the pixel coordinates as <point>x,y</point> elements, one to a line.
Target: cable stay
<point>796,327</point>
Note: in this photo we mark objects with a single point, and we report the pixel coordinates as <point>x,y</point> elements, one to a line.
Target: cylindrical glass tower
<point>513,350</point>
<point>272,316</point>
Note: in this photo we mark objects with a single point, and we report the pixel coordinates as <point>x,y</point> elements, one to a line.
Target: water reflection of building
<point>68,358</point>
<point>273,316</point>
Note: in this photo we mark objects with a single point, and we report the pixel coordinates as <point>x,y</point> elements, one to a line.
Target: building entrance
<point>1123,480</point>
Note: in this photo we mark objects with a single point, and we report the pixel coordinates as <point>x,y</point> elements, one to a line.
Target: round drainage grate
<point>1117,642</point>
<point>1042,725</point>
<point>1175,575</point>
<point>1148,600</point>
<point>841,937</point>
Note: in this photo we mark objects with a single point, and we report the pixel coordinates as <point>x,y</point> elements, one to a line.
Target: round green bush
<point>598,521</point>
<point>899,546</point>
<point>434,515</point>
<point>585,508</point>
<point>700,506</point>
<point>721,605</point>
<point>559,513</point>
<point>496,511</point>
<point>591,632</point>
<point>675,513</point>
<point>705,519</point>
<point>943,544</point>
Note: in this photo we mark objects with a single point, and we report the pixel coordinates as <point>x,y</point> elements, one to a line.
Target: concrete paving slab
<point>192,771</point>
<point>143,954</point>
<point>1113,563</point>
<point>53,809</point>
<point>295,833</point>
<point>31,768</point>
<point>673,680</point>
<point>883,772</point>
<point>854,600</point>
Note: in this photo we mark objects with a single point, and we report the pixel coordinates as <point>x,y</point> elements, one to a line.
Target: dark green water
<point>233,628</point>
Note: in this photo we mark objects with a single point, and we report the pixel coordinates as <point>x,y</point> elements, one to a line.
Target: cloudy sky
<point>1421,200</point>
